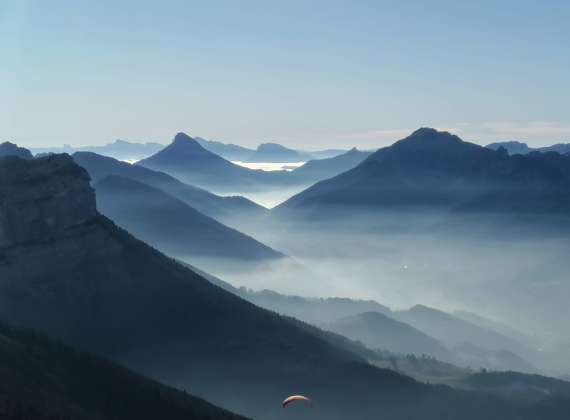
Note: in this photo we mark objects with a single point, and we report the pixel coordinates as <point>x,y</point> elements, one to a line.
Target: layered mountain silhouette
<point>11,149</point>
<point>171,225</point>
<point>512,147</point>
<point>433,170</point>
<point>273,152</point>
<point>43,379</point>
<point>119,149</point>
<point>222,208</point>
<point>188,161</point>
<point>472,344</point>
<point>72,273</point>
<point>517,147</point>
<point>378,327</point>
<point>319,169</point>
<point>316,311</point>
<point>228,151</point>
<point>379,331</point>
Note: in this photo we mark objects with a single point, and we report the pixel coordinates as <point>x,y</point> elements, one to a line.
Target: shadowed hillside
<point>437,171</point>
<point>213,205</point>
<point>319,169</point>
<point>172,225</point>
<point>43,379</point>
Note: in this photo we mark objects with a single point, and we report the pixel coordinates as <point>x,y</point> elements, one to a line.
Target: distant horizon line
<point>384,143</point>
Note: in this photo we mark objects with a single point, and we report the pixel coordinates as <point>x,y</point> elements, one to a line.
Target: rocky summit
<point>42,198</point>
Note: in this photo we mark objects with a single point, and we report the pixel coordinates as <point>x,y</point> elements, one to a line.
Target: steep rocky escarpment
<point>42,198</point>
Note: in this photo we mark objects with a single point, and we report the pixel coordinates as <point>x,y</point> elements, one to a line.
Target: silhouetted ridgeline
<point>319,169</point>
<point>188,161</point>
<point>221,208</point>
<point>119,149</point>
<point>172,225</point>
<point>43,379</point>
<point>517,147</point>
<point>11,149</point>
<point>432,171</point>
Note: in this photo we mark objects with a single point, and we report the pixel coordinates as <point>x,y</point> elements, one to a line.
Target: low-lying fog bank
<point>515,276</point>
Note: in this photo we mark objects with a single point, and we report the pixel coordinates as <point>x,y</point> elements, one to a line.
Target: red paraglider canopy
<point>292,398</point>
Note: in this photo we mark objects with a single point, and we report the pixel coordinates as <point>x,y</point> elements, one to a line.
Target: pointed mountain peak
<point>183,138</point>
<point>185,144</point>
<point>183,150</point>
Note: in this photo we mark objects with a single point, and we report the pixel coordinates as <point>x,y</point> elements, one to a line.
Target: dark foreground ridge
<point>43,379</point>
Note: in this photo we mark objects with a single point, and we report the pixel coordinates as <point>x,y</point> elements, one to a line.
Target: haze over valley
<point>281,210</point>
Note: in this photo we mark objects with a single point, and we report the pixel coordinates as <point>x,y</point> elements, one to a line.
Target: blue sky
<point>307,73</point>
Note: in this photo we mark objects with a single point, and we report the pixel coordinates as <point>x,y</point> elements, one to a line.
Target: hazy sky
<point>305,73</point>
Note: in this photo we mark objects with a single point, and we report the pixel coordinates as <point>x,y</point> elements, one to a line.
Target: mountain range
<point>70,272</point>
<point>218,207</point>
<point>420,330</point>
<point>379,331</point>
<point>171,225</point>
<point>265,152</point>
<point>517,147</point>
<point>188,161</point>
<point>119,149</point>
<point>437,171</point>
<point>273,152</point>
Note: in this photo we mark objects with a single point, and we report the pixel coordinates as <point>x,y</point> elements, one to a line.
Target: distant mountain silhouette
<point>172,225</point>
<point>379,331</point>
<point>11,149</point>
<point>432,170</point>
<point>273,152</point>
<point>317,311</point>
<point>119,149</point>
<point>512,147</point>
<point>188,161</point>
<point>378,328</point>
<point>72,273</point>
<point>453,330</point>
<point>235,152</point>
<point>222,208</point>
<point>516,147</point>
<point>518,386</point>
<point>43,379</point>
<point>326,153</point>
<point>320,169</point>
<point>492,325</point>
<point>226,150</point>
<point>472,344</point>
<point>469,354</point>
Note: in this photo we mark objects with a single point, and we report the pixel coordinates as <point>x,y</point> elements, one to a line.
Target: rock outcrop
<point>42,198</point>
<point>11,149</point>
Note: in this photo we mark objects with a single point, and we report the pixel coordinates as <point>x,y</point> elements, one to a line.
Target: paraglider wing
<point>292,398</point>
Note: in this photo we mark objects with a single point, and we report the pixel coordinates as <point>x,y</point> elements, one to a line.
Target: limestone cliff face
<point>11,149</point>
<point>42,198</point>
